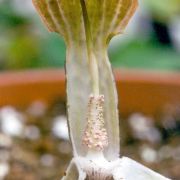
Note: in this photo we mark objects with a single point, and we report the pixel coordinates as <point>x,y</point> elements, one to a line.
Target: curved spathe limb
<point>130,170</point>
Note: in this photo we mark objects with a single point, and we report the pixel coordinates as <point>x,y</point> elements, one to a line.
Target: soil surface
<point>34,141</point>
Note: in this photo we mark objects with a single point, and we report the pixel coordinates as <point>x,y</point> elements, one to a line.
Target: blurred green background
<point>151,40</point>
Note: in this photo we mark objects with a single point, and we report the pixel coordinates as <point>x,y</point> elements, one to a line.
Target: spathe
<point>107,18</point>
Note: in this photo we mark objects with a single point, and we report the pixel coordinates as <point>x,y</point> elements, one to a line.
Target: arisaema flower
<point>87,26</point>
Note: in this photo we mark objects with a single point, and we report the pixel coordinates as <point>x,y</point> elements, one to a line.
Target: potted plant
<point>87,27</point>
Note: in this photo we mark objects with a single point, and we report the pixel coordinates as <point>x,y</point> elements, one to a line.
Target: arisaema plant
<point>87,26</point>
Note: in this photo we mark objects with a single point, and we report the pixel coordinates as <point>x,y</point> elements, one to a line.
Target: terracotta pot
<point>139,91</point>
<point>149,92</point>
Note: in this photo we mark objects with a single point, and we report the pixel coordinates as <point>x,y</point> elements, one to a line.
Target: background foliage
<point>25,43</point>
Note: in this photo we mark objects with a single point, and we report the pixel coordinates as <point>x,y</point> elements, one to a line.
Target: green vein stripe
<point>42,8</point>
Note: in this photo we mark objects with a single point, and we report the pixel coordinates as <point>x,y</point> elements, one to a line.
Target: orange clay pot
<point>139,91</point>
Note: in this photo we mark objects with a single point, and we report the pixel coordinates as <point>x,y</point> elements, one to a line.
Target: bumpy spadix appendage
<point>95,135</point>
